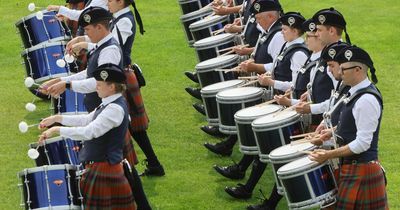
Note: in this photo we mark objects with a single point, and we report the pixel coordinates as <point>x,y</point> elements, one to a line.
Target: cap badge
<point>104,75</point>
<point>321,19</point>
<point>348,54</point>
<point>332,53</point>
<point>291,21</point>
<point>87,18</point>
<point>311,26</point>
<point>257,7</point>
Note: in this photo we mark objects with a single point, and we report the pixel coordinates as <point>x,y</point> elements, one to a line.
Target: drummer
<point>103,184</point>
<point>357,132</point>
<point>73,14</point>
<point>330,26</point>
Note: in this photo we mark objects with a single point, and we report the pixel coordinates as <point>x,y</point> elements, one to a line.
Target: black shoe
<point>212,130</point>
<point>231,172</point>
<point>220,148</point>
<point>153,171</point>
<point>200,108</point>
<point>263,206</point>
<point>195,92</point>
<point>239,192</point>
<point>192,76</point>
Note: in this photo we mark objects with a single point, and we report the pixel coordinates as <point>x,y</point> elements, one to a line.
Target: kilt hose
<point>362,186</point>
<point>104,186</point>
<point>137,112</point>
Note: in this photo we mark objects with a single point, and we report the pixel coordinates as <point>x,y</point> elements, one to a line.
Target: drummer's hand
<point>283,100</point>
<point>220,10</point>
<point>73,41</point>
<point>326,134</point>
<point>240,50</point>
<point>320,127</point>
<point>43,87</point>
<point>48,121</point>
<point>319,155</point>
<point>77,47</point>
<point>303,108</point>
<point>49,133</point>
<point>56,89</point>
<point>60,17</point>
<point>233,29</point>
<point>237,22</point>
<point>265,80</point>
<point>53,8</point>
<point>245,65</point>
<point>304,96</point>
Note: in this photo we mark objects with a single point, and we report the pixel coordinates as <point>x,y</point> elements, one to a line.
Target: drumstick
<point>227,53</point>
<point>304,140</point>
<point>249,78</point>
<point>288,109</point>
<point>228,70</point>
<point>304,152</point>
<point>230,48</point>
<point>303,135</point>
<point>273,100</point>
<point>249,83</point>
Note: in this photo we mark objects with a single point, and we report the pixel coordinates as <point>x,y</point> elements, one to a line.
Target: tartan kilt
<point>137,112</point>
<point>129,152</point>
<point>104,186</point>
<point>362,186</point>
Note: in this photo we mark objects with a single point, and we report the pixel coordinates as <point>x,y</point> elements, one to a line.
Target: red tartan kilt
<point>104,186</point>
<point>137,112</point>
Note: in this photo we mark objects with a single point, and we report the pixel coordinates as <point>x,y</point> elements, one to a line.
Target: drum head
<point>289,151</point>
<point>279,118</point>
<point>209,21</point>
<point>298,165</point>
<point>199,13</point>
<point>217,40</point>
<point>47,168</point>
<point>215,88</point>
<point>218,62</point>
<point>254,112</point>
<point>239,93</point>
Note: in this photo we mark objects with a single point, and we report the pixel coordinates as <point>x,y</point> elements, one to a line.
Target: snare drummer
<point>361,181</point>
<point>103,185</point>
<point>73,14</point>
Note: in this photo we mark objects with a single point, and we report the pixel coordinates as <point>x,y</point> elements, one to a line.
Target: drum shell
<point>188,6</point>
<point>40,31</point>
<point>210,101</point>
<point>227,107</point>
<point>58,150</point>
<point>309,187</point>
<point>272,136</point>
<point>70,102</point>
<point>192,17</point>
<point>56,186</point>
<point>207,74</point>
<point>203,29</point>
<point>41,61</point>
<point>207,50</point>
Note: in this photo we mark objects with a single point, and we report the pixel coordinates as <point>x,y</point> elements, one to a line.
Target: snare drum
<point>192,17</point>
<point>206,69</point>
<point>34,31</point>
<point>205,27</point>
<point>273,131</point>
<point>208,95</point>
<point>209,47</point>
<point>69,102</point>
<point>50,187</point>
<point>188,6</point>
<point>243,119</point>
<point>40,61</point>
<point>232,100</point>
<point>58,150</point>
<point>308,184</point>
<point>285,154</point>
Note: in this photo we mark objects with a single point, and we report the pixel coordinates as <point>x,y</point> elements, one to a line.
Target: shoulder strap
<point>297,46</point>
<point>368,90</point>
<point>121,43</point>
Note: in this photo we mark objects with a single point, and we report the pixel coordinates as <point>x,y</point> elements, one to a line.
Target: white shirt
<point>80,83</point>
<point>296,62</point>
<point>274,48</point>
<point>73,14</point>
<point>85,128</point>
<point>366,112</point>
<point>124,25</point>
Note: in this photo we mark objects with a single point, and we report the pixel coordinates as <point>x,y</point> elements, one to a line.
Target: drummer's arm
<point>256,67</point>
<point>69,13</point>
<point>319,108</point>
<point>78,76</point>
<point>76,120</point>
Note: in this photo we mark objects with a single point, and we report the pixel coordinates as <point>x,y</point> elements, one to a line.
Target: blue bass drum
<point>69,102</point>
<point>34,31</point>
<point>50,187</point>
<point>308,184</point>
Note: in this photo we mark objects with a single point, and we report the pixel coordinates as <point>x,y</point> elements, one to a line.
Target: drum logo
<point>58,182</point>
<point>75,148</point>
<point>52,20</point>
<point>56,55</point>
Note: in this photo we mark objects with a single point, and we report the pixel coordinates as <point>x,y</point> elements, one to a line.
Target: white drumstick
<point>32,7</point>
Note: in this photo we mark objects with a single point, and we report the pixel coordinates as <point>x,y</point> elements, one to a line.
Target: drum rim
<point>48,168</point>
<point>30,16</point>
<point>243,119</point>
<point>49,43</point>
<point>205,23</point>
<point>274,124</point>
<point>227,60</point>
<point>303,169</point>
<point>257,92</point>
<point>49,141</point>
<point>214,41</point>
<point>289,157</point>
<point>205,91</point>
<point>196,14</point>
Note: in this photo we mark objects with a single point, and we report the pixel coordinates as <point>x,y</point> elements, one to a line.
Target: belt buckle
<point>353,162</point>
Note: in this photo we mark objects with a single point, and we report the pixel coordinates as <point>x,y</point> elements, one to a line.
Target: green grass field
<point>163,53</point>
